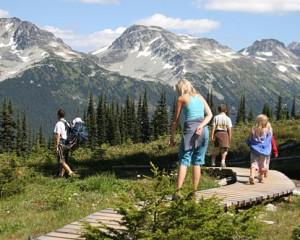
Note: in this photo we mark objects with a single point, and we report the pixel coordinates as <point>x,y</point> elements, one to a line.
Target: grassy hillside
<point>33,201</point>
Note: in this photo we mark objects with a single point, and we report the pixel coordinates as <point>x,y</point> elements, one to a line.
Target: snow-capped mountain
<point>261,71</point>
<point>276,52</point>
<point>23,44</point>
<point>40,74</point>
<point>152,53</point>
<point>41,70</point>
<point>295,48</point>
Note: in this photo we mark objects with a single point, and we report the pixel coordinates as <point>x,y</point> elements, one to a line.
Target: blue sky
<point>90,24</point>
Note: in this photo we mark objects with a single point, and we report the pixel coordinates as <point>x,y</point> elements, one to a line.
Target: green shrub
<point>104,183</point>
<point>155,217</point>
<point>11,227</point>
<point>296,233</point>
<point>12,177</point>
<point>60,194</point>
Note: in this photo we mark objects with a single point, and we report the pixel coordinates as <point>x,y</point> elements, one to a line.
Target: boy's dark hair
<point>61,113</point>
<point>223,108</point>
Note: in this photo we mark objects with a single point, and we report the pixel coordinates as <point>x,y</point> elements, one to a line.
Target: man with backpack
<point>60,141</point>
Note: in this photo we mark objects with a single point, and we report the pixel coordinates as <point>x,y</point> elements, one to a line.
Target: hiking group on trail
<point>194,114</point>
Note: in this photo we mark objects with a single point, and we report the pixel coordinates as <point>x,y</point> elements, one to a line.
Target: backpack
<point>77,135</point>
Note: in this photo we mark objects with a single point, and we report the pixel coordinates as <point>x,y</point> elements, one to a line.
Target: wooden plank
<point>65,235</point>
<point>106,217</point>
<point>48,238</point>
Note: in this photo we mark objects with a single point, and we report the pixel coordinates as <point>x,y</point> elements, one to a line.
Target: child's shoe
<point>251,180</point>
<point>260,179</point>
<point>213,163</point>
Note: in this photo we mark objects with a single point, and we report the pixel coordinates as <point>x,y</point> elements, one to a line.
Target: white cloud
<point>4,13</point>
<point>100,1</point>
<point>187,25</point>
<point>88,42</point>
<point>252,6</point>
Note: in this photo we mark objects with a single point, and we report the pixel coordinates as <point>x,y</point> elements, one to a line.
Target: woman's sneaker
<point>223,164</point>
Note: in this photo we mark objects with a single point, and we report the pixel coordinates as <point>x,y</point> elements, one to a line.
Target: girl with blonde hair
<point>260,143</point>
<point>196,115</point>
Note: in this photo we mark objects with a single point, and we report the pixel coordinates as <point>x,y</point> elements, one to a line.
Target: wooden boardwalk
<point>242,193</point>
<point>238,194</point>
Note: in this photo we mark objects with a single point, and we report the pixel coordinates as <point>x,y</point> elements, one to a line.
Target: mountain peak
<point>153,53</point>
<point>294,47</point>
<point>137,35</point>
<point>25,34</point>
<point>271,50</point>
<point>268,43</point>
<point>22,44</point>
<point>139,27</point>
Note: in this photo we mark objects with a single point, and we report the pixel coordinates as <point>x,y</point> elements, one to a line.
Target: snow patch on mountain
<point>145,53</point>
<point>282,68</point>
<point>268,54</point>
<point>100,50</point>
<point>260,58</point>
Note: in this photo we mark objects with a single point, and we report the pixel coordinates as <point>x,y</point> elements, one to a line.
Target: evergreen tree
<point>250,116</point>
<point>139,120</point>
<point>130,119</point>
<point>145,124</point>
<point>101,121</point>
<point>173,111</point>
<point>241,114</point>
<point>135,133</point>
<point>122,125</point>
<point>91,122</point>
<point>24,137</point>
<point>30,140</point>
<point>116,138</point>
<point>18,146</point>
<point>279,109</point>
<point>267,110</point>
<point>50,143</point>
<point>293,110</point>
<point>110,123</point>
<point>7,127</point>
<point>285,112</point>
<point>41,142</point>
<point>160,117</point>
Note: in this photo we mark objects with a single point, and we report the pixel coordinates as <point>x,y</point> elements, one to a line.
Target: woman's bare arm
<point>179,105</point>
<point>208,115</point>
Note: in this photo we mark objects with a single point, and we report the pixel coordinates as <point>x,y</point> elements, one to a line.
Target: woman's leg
<point>262,168</point>
<point>215,151</point>
<point>267,166</point>
<point>181,176</point>
<point>67,168</point>
<point>196,176</point>
<point>252,174</point>
<point>224,152</point>
<point>254,161</point>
